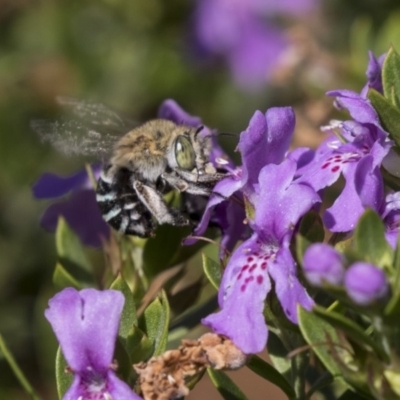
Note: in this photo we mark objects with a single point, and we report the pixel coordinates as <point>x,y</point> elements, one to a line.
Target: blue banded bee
<point>141,164</point>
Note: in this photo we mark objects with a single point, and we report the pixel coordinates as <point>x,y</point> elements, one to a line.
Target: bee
<point>141,165</point>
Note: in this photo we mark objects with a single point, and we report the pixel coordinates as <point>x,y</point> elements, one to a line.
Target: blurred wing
<point>90,130</point>
<point>97,114</point>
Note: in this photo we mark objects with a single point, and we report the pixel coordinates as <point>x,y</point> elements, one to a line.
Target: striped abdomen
<point>120,206</point>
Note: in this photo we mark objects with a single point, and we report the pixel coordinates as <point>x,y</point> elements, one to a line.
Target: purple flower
<point>80,209</point>
<point>357,154</point>
<point>240,32</point>
<point>374,74</point>
<point>86,325</point>
<point>365,283</point>
<point>323,264</point>
<point>265,141</point>
<point>391,217</point>
<point>279,204</point>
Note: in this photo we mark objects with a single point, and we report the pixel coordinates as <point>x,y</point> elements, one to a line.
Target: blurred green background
<point>131,55</point>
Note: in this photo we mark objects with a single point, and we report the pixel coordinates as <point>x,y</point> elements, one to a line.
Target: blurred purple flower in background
<point>80,209</point>
<point>323,264</point>
<point>86,325</point>
<point>365,283</point>
<point>244,33</point>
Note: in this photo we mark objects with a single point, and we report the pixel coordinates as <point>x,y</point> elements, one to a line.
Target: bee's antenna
<point>227,134</point>
<point>198,130</point>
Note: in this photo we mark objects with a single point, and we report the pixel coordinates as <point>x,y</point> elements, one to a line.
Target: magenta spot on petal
<point>260,279</point>
<point>245,267</point>
<point>243,288</point>
<point>253,267</point>
<point>249,279</point>
<point>267,257</point>
<point>263,265</point>
<point>239,276</point>
<point>337,157</point>
<point>326,165</point>
<point>345,161</point>
<point>250,259</point>
<point>335,169</point>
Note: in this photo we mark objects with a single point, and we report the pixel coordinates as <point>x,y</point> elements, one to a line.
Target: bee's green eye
<point>184,153</point>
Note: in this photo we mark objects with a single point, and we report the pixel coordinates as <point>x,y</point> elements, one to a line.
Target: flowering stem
<point>17,371</point>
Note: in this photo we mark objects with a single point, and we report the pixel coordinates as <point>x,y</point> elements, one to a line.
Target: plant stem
<point>17,371</point>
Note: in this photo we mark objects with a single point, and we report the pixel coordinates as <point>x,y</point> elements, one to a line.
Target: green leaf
<point>213,270</point>
<point>388,114</point>
<point>249,208</point>
<point>353,330</point>
<point>268,372</point>
<point>71,253</point>
<point>155,321</point>
<point>391,77</point>
<point>139,346</point>
<point>393,307</point>
<point>301,246</point>
<point>64,378</point>
<point>7,355</point>
<point>128,317</point>
<point>320,335</point>
<point>278,355</point>
<point>159,250</point>
<point>225,385</point>
<point>369,240</point>
<point>311,227</point>
<point>63,279</point>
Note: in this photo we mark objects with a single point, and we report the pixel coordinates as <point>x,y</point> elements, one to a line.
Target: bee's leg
<point>197,188</point>
<point>155,203</point>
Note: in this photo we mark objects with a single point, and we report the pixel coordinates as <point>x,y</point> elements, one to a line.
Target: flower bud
<point>323,264</point>
<point>365,283</point>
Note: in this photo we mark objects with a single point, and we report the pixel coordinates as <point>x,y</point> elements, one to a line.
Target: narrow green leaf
<point>268,372</point>
<point>388,114</point>
<point>391,77</point>
<point>339,321</point>
<point>154,322</point>
<point>139,346</point>
<point>6,353</point>
<point>249,208</point>
<point>64,378</point>
<point>225,385</point>
<point>369,239</point>
<point>62,279</point>
<point>71,253</point>
<point>319,334</point>
<point>213,270</point>
<point>393,307</point>
<point>301,246</point>
<point>128,317</point>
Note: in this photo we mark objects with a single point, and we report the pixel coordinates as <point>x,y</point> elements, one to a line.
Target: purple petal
<point>281,202</point>
<point>86,325</point>
<point>82,213</point>
<point>369,184</point>
<point>359,107</point>
<point>287,287</point>
<point>265,141</point>
<point>171,110</point>
<point>243,290</point>
<point>49,186</point>
<point>222,191</point>
<point>365,283</point>
<point>374,74</point>
<point>343,215</point>
<point>119,390</point>
<point>323,264</point>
